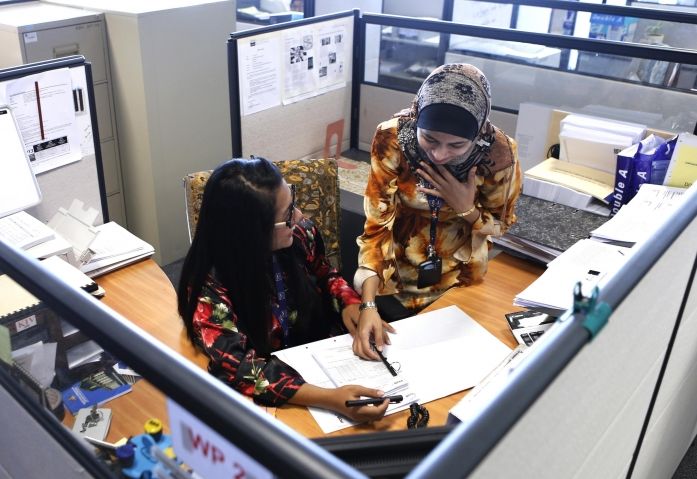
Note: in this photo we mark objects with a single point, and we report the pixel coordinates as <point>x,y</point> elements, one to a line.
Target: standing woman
<point>256,280</point>
<point>443,179</point>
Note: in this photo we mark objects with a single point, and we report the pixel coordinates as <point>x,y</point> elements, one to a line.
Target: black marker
<point>373,401</point>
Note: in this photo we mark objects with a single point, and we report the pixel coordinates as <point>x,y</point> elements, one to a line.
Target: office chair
<point>317,183</point>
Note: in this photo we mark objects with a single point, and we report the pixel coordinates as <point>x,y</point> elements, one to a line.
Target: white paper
<point>299,64</point>
<point>39,360</point>
<point>259,73</point>
<point>427,346</point>
<point>642,216</point>
<point>587,261</point>
<point>44,109</point>
<point>332,56</point>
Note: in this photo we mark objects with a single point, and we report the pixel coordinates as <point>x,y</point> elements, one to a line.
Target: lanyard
<point>280,307</point>
<point>434,203</point>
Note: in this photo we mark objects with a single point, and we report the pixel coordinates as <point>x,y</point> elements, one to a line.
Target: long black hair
<point>233,240</point>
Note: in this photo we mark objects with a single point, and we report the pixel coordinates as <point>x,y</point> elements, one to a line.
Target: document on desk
<point>439,353</point>
<point>642,216</point>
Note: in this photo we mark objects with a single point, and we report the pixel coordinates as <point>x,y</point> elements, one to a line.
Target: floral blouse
<point>397,226</point>
<point>268,380</point>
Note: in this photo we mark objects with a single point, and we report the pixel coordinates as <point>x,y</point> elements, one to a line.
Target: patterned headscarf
<point>460,85</point>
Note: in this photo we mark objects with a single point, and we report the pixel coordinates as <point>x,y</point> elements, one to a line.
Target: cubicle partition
<point>65,149</point>
<point>623,406</point>
<point>289,83</point>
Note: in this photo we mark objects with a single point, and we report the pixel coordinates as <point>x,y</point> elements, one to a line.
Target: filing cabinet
<point>35,31</point>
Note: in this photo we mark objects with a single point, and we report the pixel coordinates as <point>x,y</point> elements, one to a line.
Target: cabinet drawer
<point>82,39</point>
<point>103,107</point>
<point>117,211</point>
<point>110,164</point>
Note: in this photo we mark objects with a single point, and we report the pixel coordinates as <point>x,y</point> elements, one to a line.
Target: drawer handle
<point>66,50</point>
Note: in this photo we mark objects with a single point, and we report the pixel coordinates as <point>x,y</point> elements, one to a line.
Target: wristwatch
<point>368,305</point>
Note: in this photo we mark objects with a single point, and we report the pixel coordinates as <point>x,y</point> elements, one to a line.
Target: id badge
<point>429,272</point>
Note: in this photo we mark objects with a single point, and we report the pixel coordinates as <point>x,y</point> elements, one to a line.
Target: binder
<point>545,229</point>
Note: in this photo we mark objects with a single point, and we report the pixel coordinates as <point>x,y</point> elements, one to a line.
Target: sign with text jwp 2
<point>206,451</point>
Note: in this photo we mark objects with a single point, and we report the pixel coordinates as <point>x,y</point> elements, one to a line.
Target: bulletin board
<point>53,103</point>
<point>288,83</point>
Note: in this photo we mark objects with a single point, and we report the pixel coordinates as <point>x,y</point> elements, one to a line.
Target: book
<point>94,390</point>
<point>92,422</point>
<point>527,326</point>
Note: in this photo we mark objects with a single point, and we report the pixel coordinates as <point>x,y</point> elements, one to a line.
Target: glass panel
<point>268,12</point>
<point>407,56</point>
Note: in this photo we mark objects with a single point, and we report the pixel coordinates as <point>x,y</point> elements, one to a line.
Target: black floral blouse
<point>268,380</point>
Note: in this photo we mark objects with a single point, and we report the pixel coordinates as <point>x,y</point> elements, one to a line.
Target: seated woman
<point>256,280</point>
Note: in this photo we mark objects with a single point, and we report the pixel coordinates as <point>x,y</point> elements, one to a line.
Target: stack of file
<point>544,229</point>
<point>114,248</point>
<point>594,142</point>
<point>570,184</point>
<point>587,261</point>
<point>641,217</point>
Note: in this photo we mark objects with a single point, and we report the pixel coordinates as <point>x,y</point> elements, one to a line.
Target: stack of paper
<point>558,193</point>
<point>594,142</point>
<point>642,216</point>
<point>343,367</point>
<point>24,231</point>
<point>113,248</point>
<point>587,261</point>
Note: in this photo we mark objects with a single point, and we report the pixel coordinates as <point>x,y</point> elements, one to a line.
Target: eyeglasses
<point>288,223</point>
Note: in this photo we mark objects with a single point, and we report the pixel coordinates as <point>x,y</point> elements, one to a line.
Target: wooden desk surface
<point>143,294</point>
<point>486,303</point>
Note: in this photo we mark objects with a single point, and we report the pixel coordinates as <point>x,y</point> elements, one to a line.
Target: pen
<point>373,401</point>
<point>383,359</point>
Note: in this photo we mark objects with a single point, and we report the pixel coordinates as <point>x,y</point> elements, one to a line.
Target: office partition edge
<point>295,23</point>
<point>358,72</point>
<point>70,442</point>
<point>461,452</point>
<point>68,62</point>
<point>271,443</point>
<point>95,139</point>
<point>234,94</point>
<point>662,372</point>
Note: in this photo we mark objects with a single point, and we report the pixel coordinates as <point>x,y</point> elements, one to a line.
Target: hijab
<point>455,98</point>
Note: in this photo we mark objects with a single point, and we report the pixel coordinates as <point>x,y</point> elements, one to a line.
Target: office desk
<point>486,303</point>
<point>143,294</point>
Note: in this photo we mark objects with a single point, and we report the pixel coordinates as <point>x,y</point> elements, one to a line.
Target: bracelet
<point>468,212</point>
<point>368,305</point>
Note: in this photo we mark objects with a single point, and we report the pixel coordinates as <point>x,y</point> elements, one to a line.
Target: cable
<point>418,416</point>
